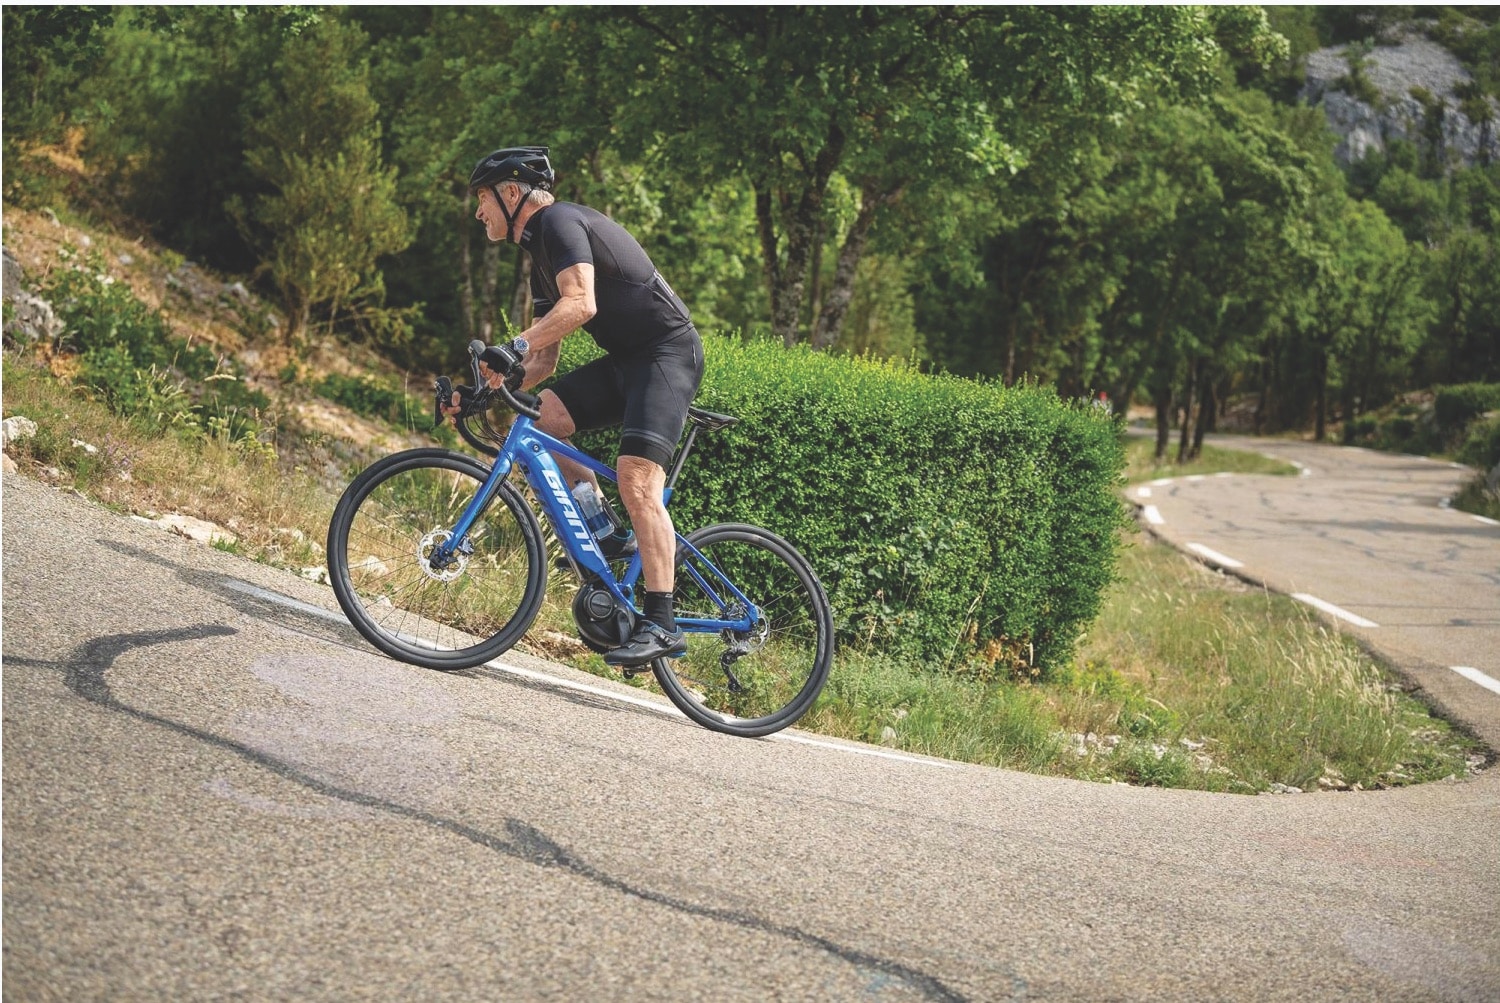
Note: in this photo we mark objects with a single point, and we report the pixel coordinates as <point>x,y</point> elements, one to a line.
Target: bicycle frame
<point>532,450</point>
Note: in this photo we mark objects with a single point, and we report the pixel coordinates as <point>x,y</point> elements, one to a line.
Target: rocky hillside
<point>205,308</point>
<point>1407,88</point>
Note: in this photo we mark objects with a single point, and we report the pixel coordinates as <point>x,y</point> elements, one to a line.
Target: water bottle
<point>594,509</point>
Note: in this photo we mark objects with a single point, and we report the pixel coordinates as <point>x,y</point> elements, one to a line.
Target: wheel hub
<point>443,570</point>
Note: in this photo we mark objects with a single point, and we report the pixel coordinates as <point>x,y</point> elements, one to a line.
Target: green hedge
<point>948,519</point>
<point>1455,406</point>
<point>1481,445</point>
<point>1447,425</point>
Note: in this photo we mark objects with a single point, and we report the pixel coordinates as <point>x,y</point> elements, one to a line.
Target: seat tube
<point>682,455</point>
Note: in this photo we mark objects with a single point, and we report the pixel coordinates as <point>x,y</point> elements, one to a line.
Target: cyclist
<point>588,272</point>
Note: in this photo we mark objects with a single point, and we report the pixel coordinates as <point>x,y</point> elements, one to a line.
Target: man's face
<point>490,215</point>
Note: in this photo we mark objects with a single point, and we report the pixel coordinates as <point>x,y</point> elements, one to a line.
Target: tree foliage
<point>1123,200</point>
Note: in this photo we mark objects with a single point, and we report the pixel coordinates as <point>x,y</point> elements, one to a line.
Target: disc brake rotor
<point>742,642</point>
<point>458,560</point>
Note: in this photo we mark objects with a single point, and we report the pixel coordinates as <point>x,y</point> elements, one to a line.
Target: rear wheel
<point>380,542</point>
<point>758,680</point>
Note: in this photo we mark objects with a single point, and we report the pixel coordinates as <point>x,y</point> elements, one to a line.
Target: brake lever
<point>443,393</point>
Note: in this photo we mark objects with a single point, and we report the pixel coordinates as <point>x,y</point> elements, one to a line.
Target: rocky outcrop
<point>30,318</point>
<point>1418,82</point>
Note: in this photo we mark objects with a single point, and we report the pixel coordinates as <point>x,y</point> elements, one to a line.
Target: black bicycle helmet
<point>527,165</point>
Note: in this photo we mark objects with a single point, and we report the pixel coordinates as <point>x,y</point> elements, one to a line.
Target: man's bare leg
<point>641,486</point>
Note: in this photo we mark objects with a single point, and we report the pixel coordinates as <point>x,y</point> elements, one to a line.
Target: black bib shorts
<point>646,392</point>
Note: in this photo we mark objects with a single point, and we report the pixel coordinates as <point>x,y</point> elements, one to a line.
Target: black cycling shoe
<point>647,644</point>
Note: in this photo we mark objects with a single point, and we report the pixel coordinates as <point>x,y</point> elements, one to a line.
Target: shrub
<point>129,357</point>
<point>946,517</point>
<point>1481,445</point>
<point>368,397</point>
<point>1455,406</point>
<point>1409,430</point>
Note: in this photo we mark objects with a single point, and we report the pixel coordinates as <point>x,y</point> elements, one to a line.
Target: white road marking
<point>1485,519</point>
<point>1328,607</point>
<point>568,684</point>
<point>1162,482</point>
<point>1475,676</point>
<point>1215,556</point>
<point>281,600</point>
<point>1143,492</point>
<point>1194,478</point>
<point>1153,516</point>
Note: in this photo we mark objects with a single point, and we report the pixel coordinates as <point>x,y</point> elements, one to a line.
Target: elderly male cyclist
<point>588,272</point>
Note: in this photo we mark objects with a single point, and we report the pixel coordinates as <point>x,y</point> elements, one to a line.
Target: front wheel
<point>380,541</point>
<point>762,674</point>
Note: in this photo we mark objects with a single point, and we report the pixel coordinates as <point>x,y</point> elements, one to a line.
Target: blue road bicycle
<point>440,560</point>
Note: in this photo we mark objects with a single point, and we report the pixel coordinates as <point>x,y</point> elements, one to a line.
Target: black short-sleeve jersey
<point>636,307</point>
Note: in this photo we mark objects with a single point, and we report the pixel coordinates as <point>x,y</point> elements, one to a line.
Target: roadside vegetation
<point>972,224</point>
<point>1186,678</point>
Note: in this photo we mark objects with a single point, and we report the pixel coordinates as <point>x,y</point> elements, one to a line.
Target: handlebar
<point>476,399</point>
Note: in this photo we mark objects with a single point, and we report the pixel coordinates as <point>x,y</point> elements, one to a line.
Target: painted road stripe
<point>1328,607</point>
<point>1485,519</point>
<point>1153,516</point>
<point>1475,676</point>
<point>568,684</point>
<point>1143,492</point>
<point>1215,556</point>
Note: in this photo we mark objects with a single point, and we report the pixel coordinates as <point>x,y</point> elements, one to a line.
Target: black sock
<point>659,610</point>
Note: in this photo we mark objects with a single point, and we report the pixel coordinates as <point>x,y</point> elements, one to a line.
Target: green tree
<point>47,50</point>
<point>890,102</point>
<point>330,212</point>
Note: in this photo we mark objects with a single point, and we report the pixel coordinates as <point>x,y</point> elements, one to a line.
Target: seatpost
<point>682,455</point>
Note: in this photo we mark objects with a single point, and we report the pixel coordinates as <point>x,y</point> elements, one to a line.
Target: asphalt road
<point>1368,534</point>
<point>213,790</point>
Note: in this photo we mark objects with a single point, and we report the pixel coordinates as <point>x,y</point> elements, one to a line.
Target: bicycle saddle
<point>710,421</point>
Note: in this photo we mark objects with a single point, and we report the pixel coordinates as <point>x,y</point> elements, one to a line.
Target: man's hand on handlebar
<point>495,368</point>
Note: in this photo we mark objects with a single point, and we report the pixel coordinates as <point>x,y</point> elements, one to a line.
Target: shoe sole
<point>645,663</point>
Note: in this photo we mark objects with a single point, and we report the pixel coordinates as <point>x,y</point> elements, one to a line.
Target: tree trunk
<point>815,273</point>
<point>466,270</point>
<point>770,251</point>
<point>1321,422</point>
<point>786,317</point>
<point>489,280</point>
<point>520,300</point>
<point>1187,411</point>
<point>830,322</point>
<point>1163,400</point>
<point>787,279</point>
<point>1207,408</point>
<point>1263,402</point>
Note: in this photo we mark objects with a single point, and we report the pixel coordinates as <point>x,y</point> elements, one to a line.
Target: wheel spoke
<point>384,532</point>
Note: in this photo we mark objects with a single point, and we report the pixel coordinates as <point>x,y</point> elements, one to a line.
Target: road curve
<point>212,789</point>
<point>1366,539</point>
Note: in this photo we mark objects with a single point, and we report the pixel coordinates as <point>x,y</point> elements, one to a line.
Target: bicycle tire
<point>395,511</point>
<point>782,663</point>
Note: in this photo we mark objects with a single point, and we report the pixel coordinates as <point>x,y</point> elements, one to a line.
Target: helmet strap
<point>510,217</point>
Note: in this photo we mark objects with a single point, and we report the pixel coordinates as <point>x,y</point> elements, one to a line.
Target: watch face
<point>521,345</point>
